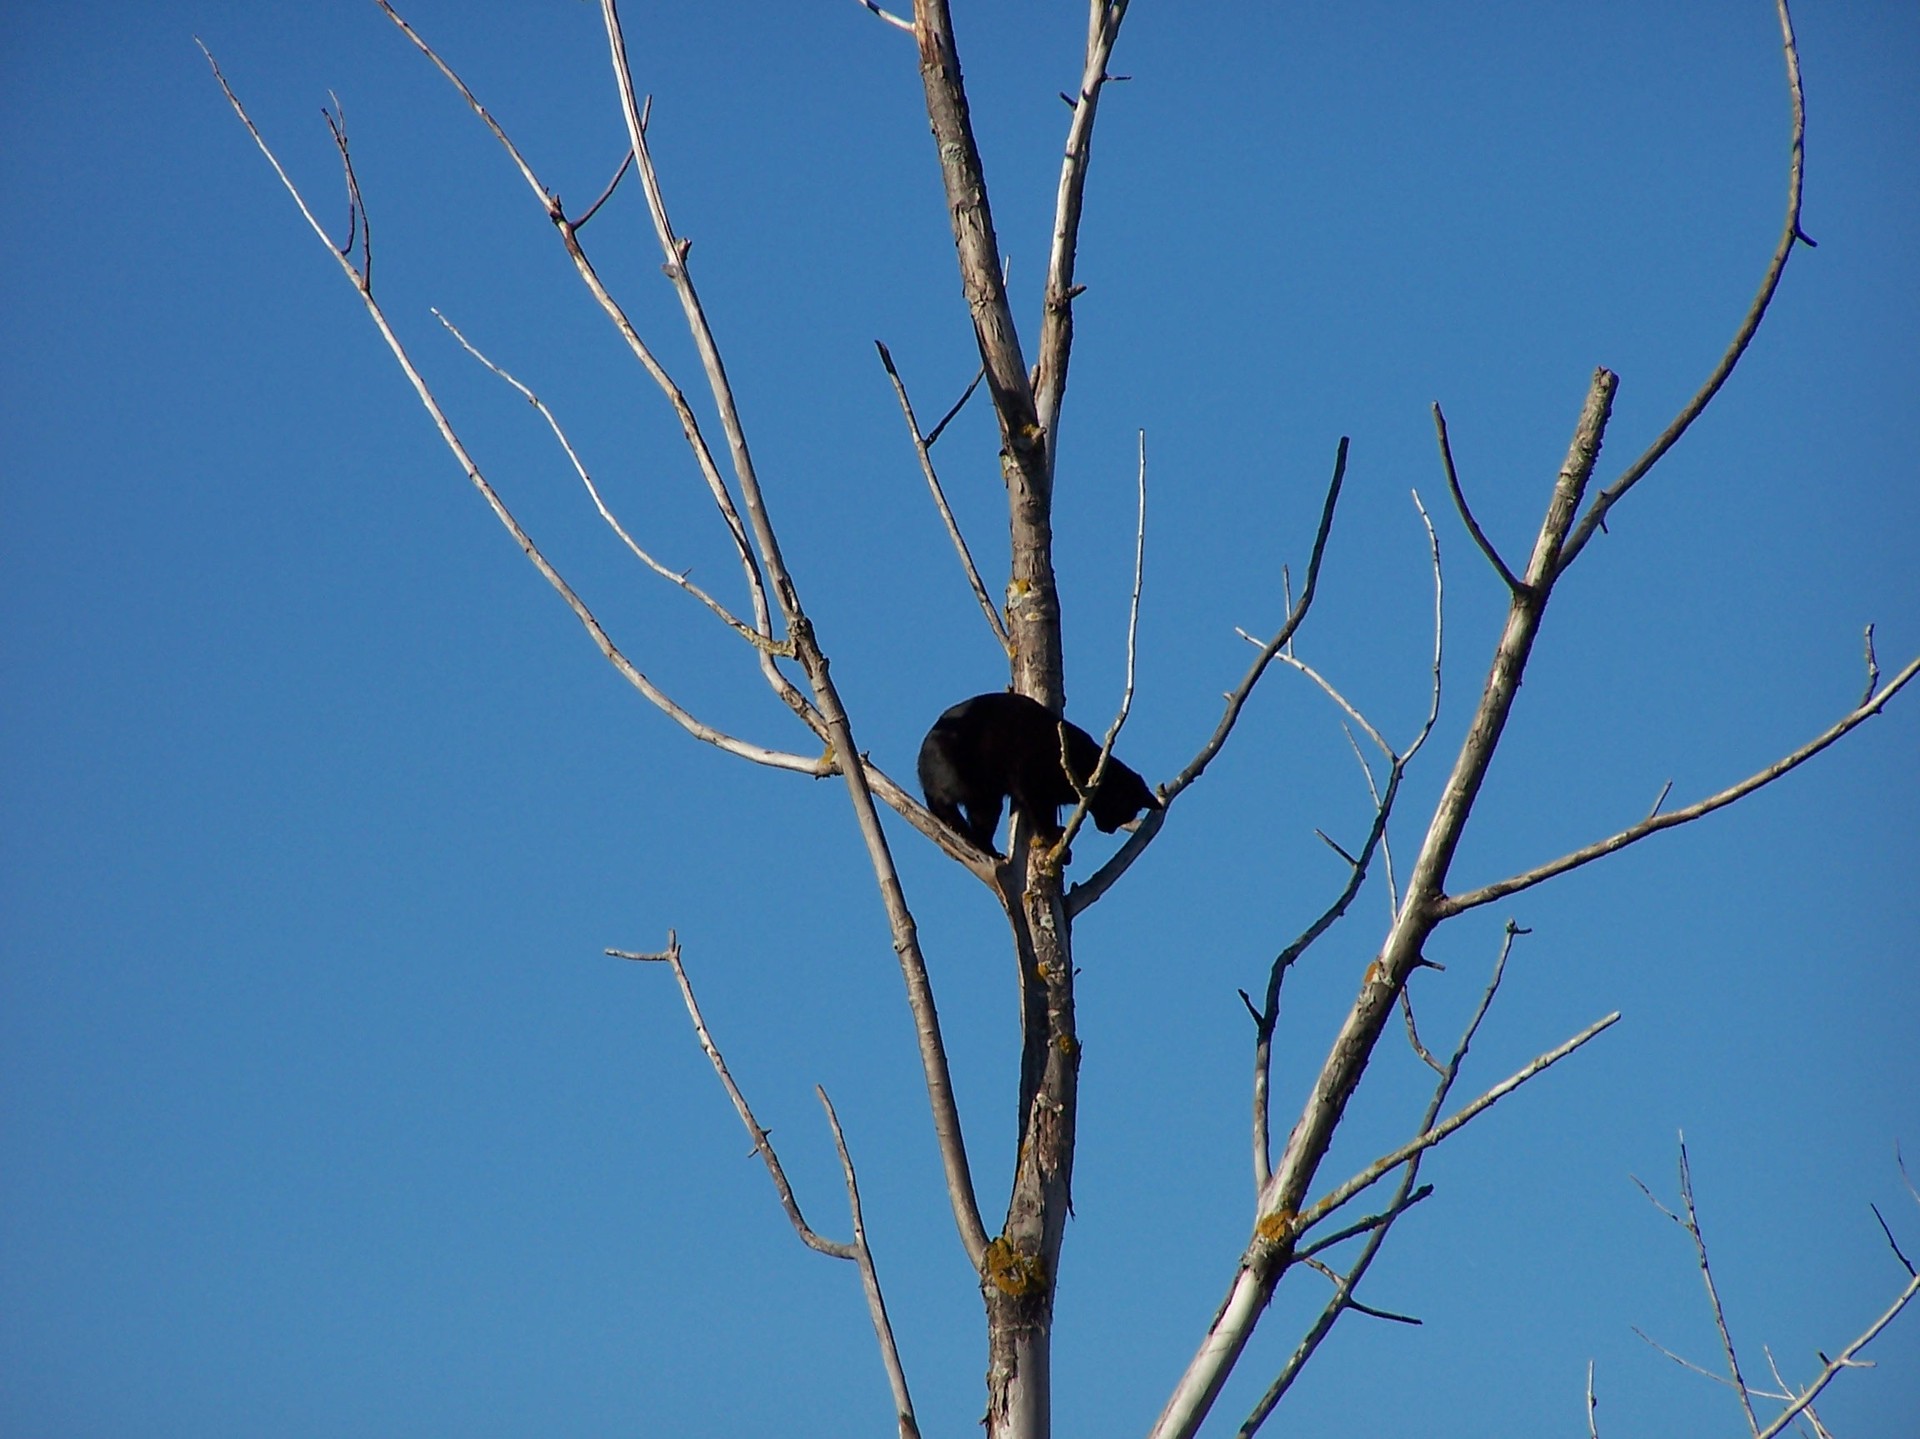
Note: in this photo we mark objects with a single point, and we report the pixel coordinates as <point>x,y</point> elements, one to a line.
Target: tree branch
<point>1596,516</point>
<point>689,423</point>
<point>857,1251</point>
<point>1104,18</point>
<point>920,448</point>
<point>1460,503</point>
<point>1372,1174</point>
<point>762,1144</point>
<point>1840,1361</point>
<point>1454,904</point>
<point>593,491</point>
<point>1376,1226</point>
<point>1268,1253</point>
<point>870,1280</point>
<point>853,768</point>
<point>1079,815</point>
<point>776,759</point>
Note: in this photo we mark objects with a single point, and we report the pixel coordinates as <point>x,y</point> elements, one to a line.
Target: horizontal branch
<point>1454,904</point>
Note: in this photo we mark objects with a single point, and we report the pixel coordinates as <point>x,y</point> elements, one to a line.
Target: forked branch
<point>922,449</point>
<point>857,1250</point>
<point>696,441</point>
<point>778,759</point>
<point>1797,1402</point>
<point>1101,880</point>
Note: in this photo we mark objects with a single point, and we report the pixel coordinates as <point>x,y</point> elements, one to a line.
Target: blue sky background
<point>320,1112</point>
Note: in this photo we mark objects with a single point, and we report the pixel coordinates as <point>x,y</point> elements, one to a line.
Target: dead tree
<point>1302,1222</point>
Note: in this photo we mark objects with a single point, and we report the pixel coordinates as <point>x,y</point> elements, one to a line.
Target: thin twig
<point>922,449</point>
<point>1343,1293</point>
<point>1450,905</point>
<point>1367,1225</point>
<point>1790,235</point>
<point>1873,667</point>
<point>886,15</point>
<point>676,577</point>
<point>1079,815</point>
<point>626,163</point>
<point>762,1145</point>
<point>1713,1291</point>
<point>870,1280</point>
<point>1686,1363</point>
<point>1439,632</point>
<point>1326,687</point>
<point>953,410</point>
<point>1892,1243</point>
<point>1413,1034</point>
<point>1660,799</point>
<point>1507,576</point>
<point>1371,1175</point>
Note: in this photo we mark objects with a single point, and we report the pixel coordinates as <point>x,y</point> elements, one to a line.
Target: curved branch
<point>1087,891</point>
<point>1790,235</point>
<point>1460,503</point>
<point>1237,699</point>
<point>675,577</point>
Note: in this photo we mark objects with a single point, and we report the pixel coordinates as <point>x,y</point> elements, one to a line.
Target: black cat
<point>994,747</point>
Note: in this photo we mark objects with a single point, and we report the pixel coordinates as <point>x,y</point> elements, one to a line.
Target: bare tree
<point>1302,1221</point>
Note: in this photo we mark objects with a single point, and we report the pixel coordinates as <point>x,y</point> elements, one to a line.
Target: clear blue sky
<point>320,1113</point>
